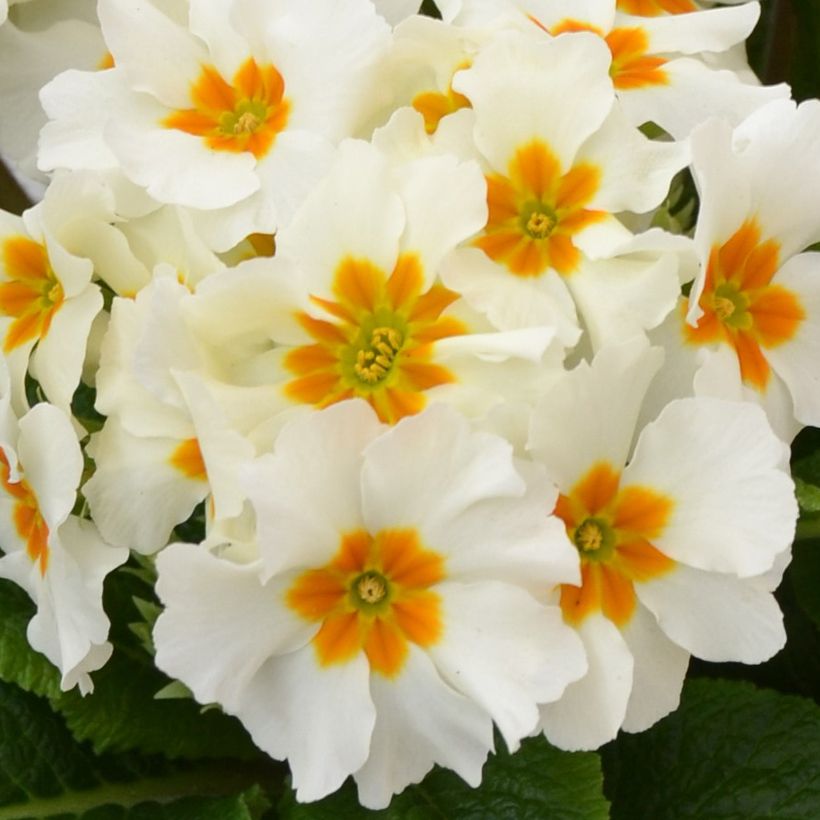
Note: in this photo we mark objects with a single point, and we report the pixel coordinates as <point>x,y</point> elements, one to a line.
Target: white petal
<point>505,651</point>
<point>658,672</point>
<point>567,76</point>
<point>715,617</point>
<point>50,455</point>
<point>155,54</point>
<point>307,494</point>
<point>359,214</point>
<point>220,624</point>
<point>136,496</point>
<point>57,361</point>
<point>451,468</point>
<point>590,415</point>
<point>420,721</point>
<point>796,360</point>
<point>177,167</point>
<point>725,471</point>
<point>445,202</point>
<point>592,709</point>
<point>320,718</point>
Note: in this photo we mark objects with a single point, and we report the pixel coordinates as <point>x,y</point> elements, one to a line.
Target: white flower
<point>58,558</point>
<point>681,541</point>
<point>389,620</point>
<point>47,298</point>
<point>234,114</point>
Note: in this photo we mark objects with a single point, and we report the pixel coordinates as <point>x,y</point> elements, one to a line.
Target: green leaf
<point>19,663</point>
<point>808,496</point>
<point>44,773</point>
<point>536,783</point>
<point>123,714</point>
<point>730,752</point>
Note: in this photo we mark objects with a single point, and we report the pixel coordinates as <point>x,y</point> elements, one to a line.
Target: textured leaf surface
<point>731,752</point>
<point>537,783</point>
<point>44,773</point>
<point>19,663</point>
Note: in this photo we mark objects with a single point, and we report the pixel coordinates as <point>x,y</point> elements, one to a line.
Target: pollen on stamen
<point>723,307</point>
<point>540,225</point>
<point>246,123</point>
<point>374,362</point>
<point>589,537</point>
<point>371,588</point>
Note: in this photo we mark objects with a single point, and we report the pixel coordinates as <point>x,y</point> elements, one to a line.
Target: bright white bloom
<point>681,540</point>
<point>47,298</point>
<point>390,618</point>
<point>560,162</point>
<point>351,305</point>
<point>752,328</point>
<point>655,61</point>
<point>59,559</point>
<point>234,114</point>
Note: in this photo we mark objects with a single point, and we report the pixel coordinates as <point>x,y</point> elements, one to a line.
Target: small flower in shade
<point>392,608</point>
<point>701,510</point>
<point>47,299</point>
<point>58,558</point>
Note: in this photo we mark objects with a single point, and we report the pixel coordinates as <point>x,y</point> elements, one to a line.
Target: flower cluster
<point>486,432</point>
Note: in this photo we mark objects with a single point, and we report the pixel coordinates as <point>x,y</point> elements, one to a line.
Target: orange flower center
<point>632,66</point>
<point>31,292</point>
<point>380,342</point>
<point>244,115</point>
<point>28,521</point>
<point>536,209</point>
<point>612,528</point>
<point>374,596</point>
<point>653,8</point>
<point>741,307</point>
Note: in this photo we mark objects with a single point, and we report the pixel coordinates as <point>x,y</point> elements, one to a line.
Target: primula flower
<point>58,558</point>
<point>390,617</point>
<point>681,540</point>
<point>560,163</point>
<point>752,325</point>
<point>656,62</point>
<point>234,114</point>
<point>351,305</point>
<point>47,298</point>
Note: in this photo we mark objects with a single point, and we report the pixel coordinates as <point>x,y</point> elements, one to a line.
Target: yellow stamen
<point>589,536</point>
<point>246,124</point>
<point>374,362</point>
<point>371,588</point>
<point>723,307</point>
<point>540,225</point>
